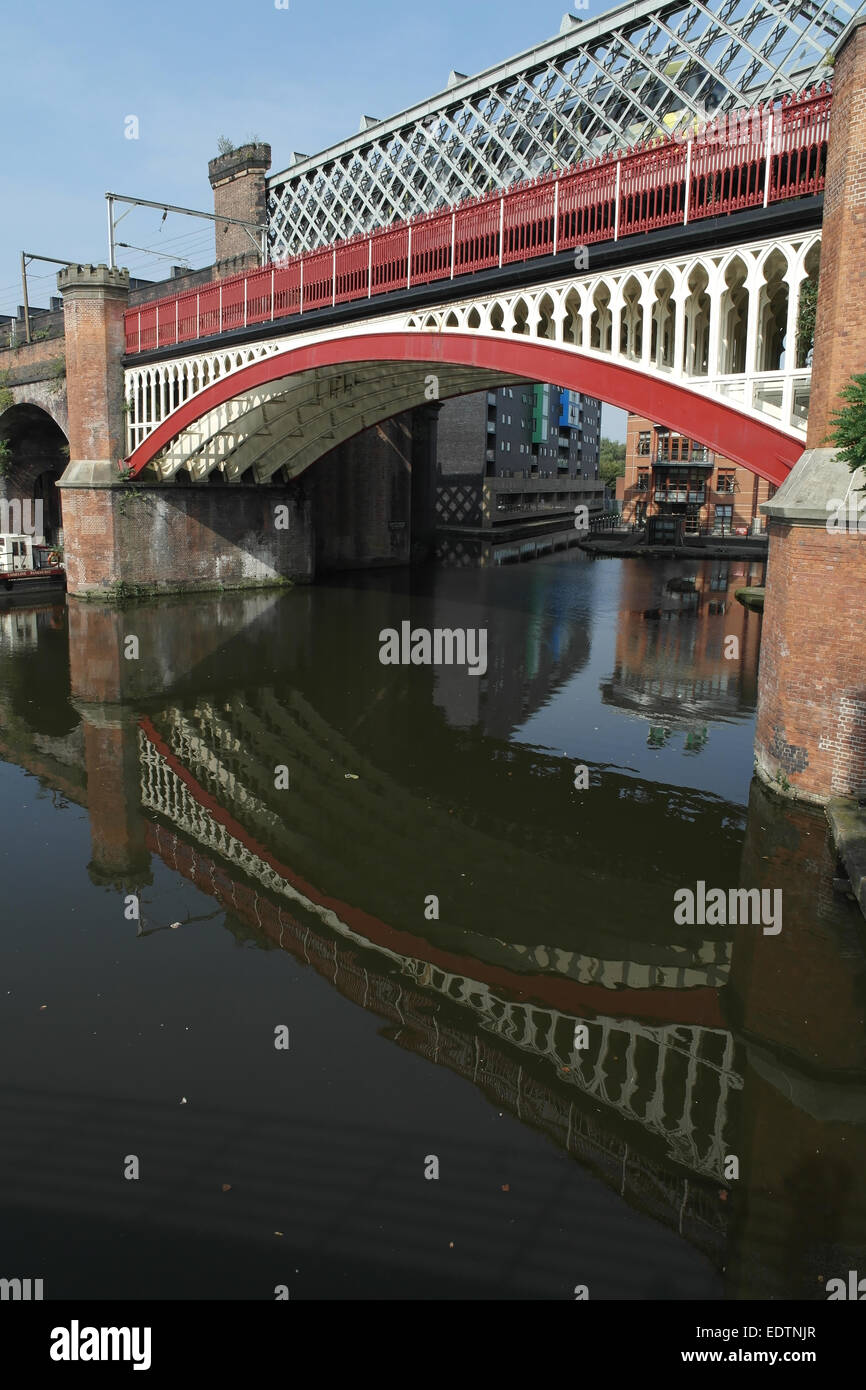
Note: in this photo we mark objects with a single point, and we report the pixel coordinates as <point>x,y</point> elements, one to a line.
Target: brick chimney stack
<point>239,190</point>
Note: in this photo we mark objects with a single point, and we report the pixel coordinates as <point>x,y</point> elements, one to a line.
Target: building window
<point>722,520</point>
<point>725,482</point>
<point>643,442</point>
<point>643,482</point>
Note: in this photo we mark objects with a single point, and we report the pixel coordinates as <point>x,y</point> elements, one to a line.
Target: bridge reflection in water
<point>703,1043</point>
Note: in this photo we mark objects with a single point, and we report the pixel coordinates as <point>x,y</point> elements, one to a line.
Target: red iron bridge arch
<point>756,444</point>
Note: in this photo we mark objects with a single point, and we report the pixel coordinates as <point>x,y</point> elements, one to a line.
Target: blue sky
<point>191,71</point>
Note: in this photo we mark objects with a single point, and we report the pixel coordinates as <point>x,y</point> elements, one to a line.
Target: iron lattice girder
<point>623,78</point>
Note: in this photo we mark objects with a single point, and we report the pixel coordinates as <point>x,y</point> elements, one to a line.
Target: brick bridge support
<point>368,503</point>
<point>374,497</point>
<point>122,662</point>
<point>122,540</point>
<point>811,725</point>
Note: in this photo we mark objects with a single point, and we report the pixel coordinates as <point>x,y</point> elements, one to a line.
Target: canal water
<point>361,980</point>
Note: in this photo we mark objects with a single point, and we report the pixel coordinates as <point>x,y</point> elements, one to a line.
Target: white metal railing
<point>588,311</point>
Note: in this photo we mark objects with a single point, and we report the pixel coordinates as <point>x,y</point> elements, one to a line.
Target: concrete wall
<point>169,539</point>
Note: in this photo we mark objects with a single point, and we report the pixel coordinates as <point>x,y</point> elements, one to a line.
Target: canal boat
<point>28,567</point>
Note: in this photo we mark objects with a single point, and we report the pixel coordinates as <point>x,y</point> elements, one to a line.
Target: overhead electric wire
<point>185,246</point>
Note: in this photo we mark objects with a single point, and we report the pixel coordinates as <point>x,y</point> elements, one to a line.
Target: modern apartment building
<point>676,486</point>
<point>520,453</point>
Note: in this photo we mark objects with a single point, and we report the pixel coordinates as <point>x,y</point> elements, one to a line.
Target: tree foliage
<point>848,433</point>
<point>611,460</point>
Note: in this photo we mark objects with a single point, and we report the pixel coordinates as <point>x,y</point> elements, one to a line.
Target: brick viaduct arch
<point>37,456</point>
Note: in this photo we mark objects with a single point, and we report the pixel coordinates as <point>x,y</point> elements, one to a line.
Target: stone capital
<point>91,473</point>
<point>818,481</point>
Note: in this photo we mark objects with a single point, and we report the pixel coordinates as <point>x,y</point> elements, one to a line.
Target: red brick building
<point>676,486</point>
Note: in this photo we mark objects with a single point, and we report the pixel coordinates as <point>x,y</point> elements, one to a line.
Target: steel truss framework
<point>638,72</point>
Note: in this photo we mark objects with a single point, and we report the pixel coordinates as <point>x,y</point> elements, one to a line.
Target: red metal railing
<point>741,160</point>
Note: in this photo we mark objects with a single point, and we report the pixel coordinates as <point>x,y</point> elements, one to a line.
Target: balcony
<point>536,497</point>
<point>680,494</point>
<point>701,458</point>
